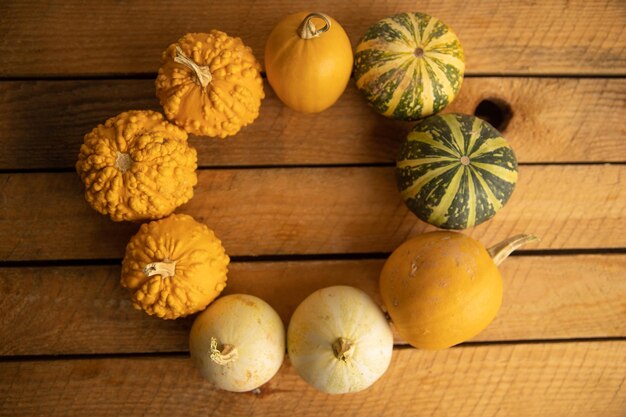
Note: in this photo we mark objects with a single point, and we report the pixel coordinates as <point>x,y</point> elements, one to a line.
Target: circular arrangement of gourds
<point>454,171</point>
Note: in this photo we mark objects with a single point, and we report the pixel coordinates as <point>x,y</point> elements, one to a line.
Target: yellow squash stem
<point>165,269</point>
<point>203,73</point>
<point>223,356</point>
<point>500,251</point>
<point>343,349</point>
<point>307,29</point>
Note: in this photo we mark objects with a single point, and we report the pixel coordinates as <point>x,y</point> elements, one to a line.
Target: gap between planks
<point>396,347</point>
<point>545,298</point>
<point>553,37</point>
<point>153,75</point>
<point>313,211</point>
<point>307,166</point>
<point>563,379</point>
<point>302,257</point>
<point>554,121</point>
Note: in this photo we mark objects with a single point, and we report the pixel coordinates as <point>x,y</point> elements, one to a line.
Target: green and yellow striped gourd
<point>409,66</point>
<point>455,171</point>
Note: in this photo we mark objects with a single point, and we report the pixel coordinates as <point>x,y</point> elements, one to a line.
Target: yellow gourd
<point>443,288</point>
<point>137,166</point>
<point>308,61</point>
<point>209,84</point>
<point>174,267</point>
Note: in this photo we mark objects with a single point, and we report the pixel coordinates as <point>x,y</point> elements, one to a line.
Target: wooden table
<point>306,201</point>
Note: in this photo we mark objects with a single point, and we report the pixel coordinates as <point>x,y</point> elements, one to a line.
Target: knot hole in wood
<point>495,111</point>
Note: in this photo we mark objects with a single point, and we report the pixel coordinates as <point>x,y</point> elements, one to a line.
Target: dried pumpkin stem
<point>123,161</point>
<point>307,29</point>
<point>500,251</point>
<point>203,73</point>
<point>343,349</point>
<point>165,269</point>
<point>227,353</point>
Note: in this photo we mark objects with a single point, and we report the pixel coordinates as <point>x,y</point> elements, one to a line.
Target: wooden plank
<point>554,120</point>
<point>312,211</point>
<point>562,379</point>
<point>556,37</point>
<point>545,297</point>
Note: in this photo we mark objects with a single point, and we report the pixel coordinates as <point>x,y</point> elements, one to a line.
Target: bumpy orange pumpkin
<point>308,60</point>
<point>137,166</point>
<point>209,84</point>
<point>174,267</point>
<point>442,288</point>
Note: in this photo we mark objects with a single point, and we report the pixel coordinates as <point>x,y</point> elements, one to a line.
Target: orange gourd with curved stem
<point>308,61</point>
<point>443,288</point>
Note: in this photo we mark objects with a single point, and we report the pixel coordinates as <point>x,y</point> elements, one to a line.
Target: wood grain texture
<point>554,120</point>
<point>562,379</point>
<point>312,211</point>
<point>115,46</point>
<point>545,297</point>
<point>112,37</point>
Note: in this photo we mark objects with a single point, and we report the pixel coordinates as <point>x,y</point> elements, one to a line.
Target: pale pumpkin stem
<point>307,29</point>
<point>203,73</point>
<point>165,269</point>
<point>500,251</point>
<point>343,349</point>
<point>123,161</point>
<point>227,353</point>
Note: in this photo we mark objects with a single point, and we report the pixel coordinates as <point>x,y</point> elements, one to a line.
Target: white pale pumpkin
<point>339,340</point>
<point>238,342</point>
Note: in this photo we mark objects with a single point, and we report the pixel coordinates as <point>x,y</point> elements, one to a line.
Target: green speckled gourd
<point>455,171</point>
<point>409,66</point>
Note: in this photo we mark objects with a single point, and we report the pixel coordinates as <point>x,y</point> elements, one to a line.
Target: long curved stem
<point>500,251</point>
<point>307,29</point>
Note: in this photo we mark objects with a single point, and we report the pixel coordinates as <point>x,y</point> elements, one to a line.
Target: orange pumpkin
<point>443,288</point>
<point>137,166</point>
<point>174,267</point>
<point>308,61</point>
<point>210,84</point>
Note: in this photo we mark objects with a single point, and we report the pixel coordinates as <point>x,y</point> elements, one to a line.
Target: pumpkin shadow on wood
<point>383,134</point>
<point>66,111</point>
